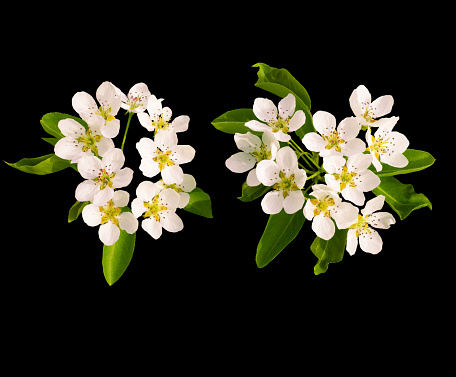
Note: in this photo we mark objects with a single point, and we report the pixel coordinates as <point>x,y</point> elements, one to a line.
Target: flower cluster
<point>100,163</point>
<point>336,187</point>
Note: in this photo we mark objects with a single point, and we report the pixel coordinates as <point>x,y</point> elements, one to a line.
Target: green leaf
<point>50,123</point>
<point>51,140</point>
<point>401,197</point>
<point>233,121</point>
<point>76,210</point>
<point>41,165</point>
<point>117,257</point>
<point>418,160</point>
<point>250,193</point>
<point>281,82</point>
<point>331,251</point>
<point>200,203</point>
<point>280,230</point>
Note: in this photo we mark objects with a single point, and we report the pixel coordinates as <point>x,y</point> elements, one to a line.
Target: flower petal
<point>121,198</point>
<point>153,227</point>
<point>111,129</point>
<point>349,128</point>
<point>354,195</point>
<point>240,162</point>
<point>145,121</point>
<point>91,215</point>
<point>382,106</point>
<point>123,178</point>
<point>113,160</point>
<point>252,179</point>
<point>247,142</point>
<point>169,198</point>
<point>128,222</point>
<point>314,142</point>
<point>89,167</point>
<point>287,160</point>
<point>171,222</point>
<point>137,207</point>
<point>352,147</point>
<point>265,110</point>
<point>381,220</point>
<point>267,172</point>
<point>84,104</point>
<point>181,154</point>
<point>146,148</point>
<point>68,149</point>
<point>345,214</point>
<point>287,106</point>
<point>323,227</point>
<point>69,127</point>
<point>297,121</point>
<point>359,162</point>
<point>334,164</point>
<point>373,205</point>
<point>166,140</point>
<point>86,190</point>
<point>367,181</point>
<point>180,123</point>
<point>352,242</point>
<point>106,96</point>
<point>146,191</point>
<point>172,174</point>
<point>272,202</point>
<point>371,243</point>
<point>102,197</point>
<point>324,122</point>
<point>149,167</point>
<point>254,125</point>
<point>109,233</point>
<point>293,202</point>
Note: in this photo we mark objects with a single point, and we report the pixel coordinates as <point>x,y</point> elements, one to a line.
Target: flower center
<point>333,141</point>
<point>104,178</point>
<point>163,159</point>
<point>160,124</point>
<point>281,124</point>
<point>105,113</point>
<point>262,153</point>
<point>369,113</point>
<point>154,208</point>
<point>110,213</point>
<point>345,178</point>
<point>134,101</point>
<point>89,141</point>
<point>322,206</point>
<point>361,226</point>
<point>378,146</point>
<point>286,184</point>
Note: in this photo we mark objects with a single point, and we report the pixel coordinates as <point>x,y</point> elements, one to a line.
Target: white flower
<point>86,107</point>
<point>158,208</point>
<point>387,146</point>
<point>369,239</point>
<point>158,118</point>
<point>102,177</point>
<point>164,155</point>
<point>367,112</point>
<point>188,185</point>
<point>351,176</point>
<point>326,206</point>
<point>331,141</point>
<point>111,218</point>
<point>253,151</point>
<point>286,179</point>
<point>79,142</point>
<point>279,122</point>
<point>137,98</point>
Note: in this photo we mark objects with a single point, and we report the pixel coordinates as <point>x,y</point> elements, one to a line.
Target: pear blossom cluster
<point>329,195</point>
<point>101,164</point>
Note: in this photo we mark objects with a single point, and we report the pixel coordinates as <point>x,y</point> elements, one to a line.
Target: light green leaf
<point>76,210</point>
<point>402,198</point>
<point>331,251</point>
<point>50,123</point>
<point>418,160</point>
<point>233,121</point>
<point>281,82</point>
<point>117,257</point>
<point>41,165</point>
<point>280,230</point>
<point>250,193</point>
<point>200,203</point>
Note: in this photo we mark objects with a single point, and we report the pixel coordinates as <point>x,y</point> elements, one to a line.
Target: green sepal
<point>331,251</point>
<point>250,193</point>
<point>199,204</point>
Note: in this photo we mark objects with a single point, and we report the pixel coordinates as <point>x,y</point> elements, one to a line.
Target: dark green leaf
<point>233,121</point>
<point>280,230</point>
<point>51,140</point>
<point>418,160</point>
<point>402,198</point>
<point>200,203</point>
<point>117,257</point>
<point>50,123</point>
<point>76,210</point>
<point>281,82</point>
<point>330,251</point>
<point>41,165</point>
<point>250,193</point>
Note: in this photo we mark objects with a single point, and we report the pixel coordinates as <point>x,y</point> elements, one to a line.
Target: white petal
<point>359,162</point>
<point>153,227</point>
<point>382,106</point>
<point>332,182</point>
<point>314,142</point>
<point>323,227</point>
<point>128,222</point>
<point>181,154</point>
<point>353,147</point>
<point>86,191</point>
<point>355,104</point>
<point>84,104</point>
<point>172,174</point>
<point>254,125</point>
<point>272,202</point>
<point>146,148</point>
<point>287,160</point>
<point>154,107</point>
<point>300,177</point>
<point>113,160</point>
<point>378,166</point>
<point>324,122</point>
<point>345,214</point>
<point>184,199</point>
<point>354,195</point>
<point>373,205</point>
<point>105,145</point>
<point>149,167</point>
<point>169,198</point>
<point>309,210</point>
<point>166,140</point>
<point>287,106</point>
<point>102,197</point>
<point>91,215</point>
<point>121,198</point>
<point>180,124</point>
<point>252,179</point>
<point>371,243</point>
<point>265,110</point>
<point>109,233</point>
<point>281,136</point>
<point>68,149</point>
<point>298,120</point>
<point>106,96</point>
<point>349,128</point>
<point>240,162</point>
<point>137,207</point>
<point>171,222</point>
<point>69,127</point>
<point>352,242</point>
<point>267,172</point>
<point>398,142</point>
<point>293,202</point>
<point>89,167</point>
<point>145,121</point>
<point>367,181</point>
<point>146,191</point>
<point>334,164</point>
<point>381,220</point>
<point>247,142</point>
<point>398,160</point>
<point>111,129</point>
<point>122,178</point>
<point>166,114</point>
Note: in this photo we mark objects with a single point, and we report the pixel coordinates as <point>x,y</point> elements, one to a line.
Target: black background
<point>202,68</point>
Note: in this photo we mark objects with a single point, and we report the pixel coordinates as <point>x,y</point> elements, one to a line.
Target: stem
<point>126,130</point>
<point>313,175</point>
<point>296,145</point>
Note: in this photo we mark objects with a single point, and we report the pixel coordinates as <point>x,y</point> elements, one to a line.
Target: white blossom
<point>137,98</point>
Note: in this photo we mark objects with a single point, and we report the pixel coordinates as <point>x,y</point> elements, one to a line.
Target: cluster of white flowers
<point>100,163</point>
<point>346,160</point>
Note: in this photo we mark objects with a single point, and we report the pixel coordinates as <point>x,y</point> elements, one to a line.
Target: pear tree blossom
<point>159,118</point>
<point>187,185</point>
<point>164,155</point>
<point>366,111</point>
<point>332,141</point>
<point>158,208</point>
<point>79,142</point>
<point>111,218</point>
<point>325,206</point>
<point>102,177</point>
<point>351,177</point>
<point>87,108</point>
<point>280,121</point>
<point>387,146</point>
<point>137,98</point>
<point>369,239</point>
<point>286,179</point>
<point>253,150</point>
